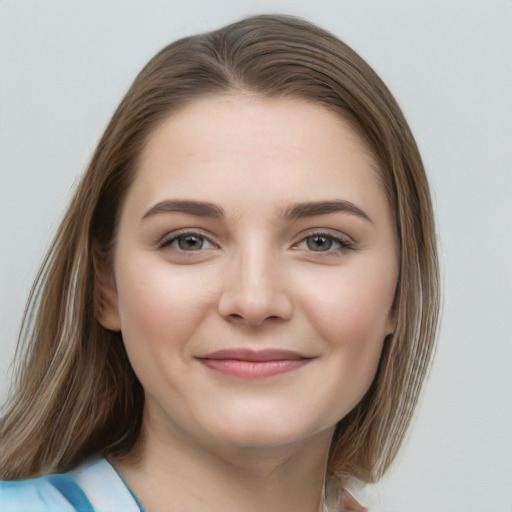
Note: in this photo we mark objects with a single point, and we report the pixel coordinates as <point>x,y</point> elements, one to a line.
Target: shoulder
<point>92,487</point>
<point>51,493</point>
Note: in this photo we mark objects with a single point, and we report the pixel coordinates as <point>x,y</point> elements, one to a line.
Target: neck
<point>190,477</point>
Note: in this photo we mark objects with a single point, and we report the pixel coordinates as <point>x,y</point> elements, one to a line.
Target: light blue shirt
<point>94,486</point>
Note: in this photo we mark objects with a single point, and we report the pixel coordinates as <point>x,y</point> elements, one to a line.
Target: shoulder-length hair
<point>76,392</point>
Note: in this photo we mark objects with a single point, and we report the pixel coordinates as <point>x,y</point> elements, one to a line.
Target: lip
<point>254,364</point>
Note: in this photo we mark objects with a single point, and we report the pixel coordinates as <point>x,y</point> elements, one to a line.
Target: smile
<point>250,364</point>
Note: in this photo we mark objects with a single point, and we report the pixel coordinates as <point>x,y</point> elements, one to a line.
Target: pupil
<point>190,243</point>
<point>319,243</point>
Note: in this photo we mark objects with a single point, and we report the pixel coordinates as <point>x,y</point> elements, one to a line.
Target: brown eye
<point>319,243</point>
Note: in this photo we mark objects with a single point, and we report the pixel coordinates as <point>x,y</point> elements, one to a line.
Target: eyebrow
<point>197,208</point>
<point>294,212</point>
<point>313,209</point>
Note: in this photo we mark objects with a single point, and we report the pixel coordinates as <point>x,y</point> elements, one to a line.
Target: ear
<point>391,322</point>
<point>105,297</point>
<point>392,319</point>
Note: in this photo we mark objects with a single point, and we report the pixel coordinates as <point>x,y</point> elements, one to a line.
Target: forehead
<point>284,148</point>
<point>249,116</point>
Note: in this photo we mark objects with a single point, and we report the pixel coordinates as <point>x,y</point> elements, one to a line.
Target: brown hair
<point>76,393</point>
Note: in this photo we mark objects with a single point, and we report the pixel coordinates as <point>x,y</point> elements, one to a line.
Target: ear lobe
<point>105,297</point>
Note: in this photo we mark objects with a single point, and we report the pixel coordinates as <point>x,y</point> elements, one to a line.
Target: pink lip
<point>254,364</point>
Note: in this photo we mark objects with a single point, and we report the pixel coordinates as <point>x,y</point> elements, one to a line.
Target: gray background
<point>64,66</point>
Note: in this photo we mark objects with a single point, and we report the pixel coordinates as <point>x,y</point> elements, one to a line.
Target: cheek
<point>158,305</point>
<point>357,301</point>
<point>352,315</point>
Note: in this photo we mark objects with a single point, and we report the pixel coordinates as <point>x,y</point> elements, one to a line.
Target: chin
<point>266,434</point>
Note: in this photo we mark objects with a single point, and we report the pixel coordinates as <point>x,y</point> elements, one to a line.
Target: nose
<point>255,289</point>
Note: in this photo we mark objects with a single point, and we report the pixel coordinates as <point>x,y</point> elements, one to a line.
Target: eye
<point>319,243</point>
<point>186,242</point>
<point>190,242</point>
<point>324,243</point>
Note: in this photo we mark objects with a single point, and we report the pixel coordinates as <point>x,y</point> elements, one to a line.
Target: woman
<point>239,308</point>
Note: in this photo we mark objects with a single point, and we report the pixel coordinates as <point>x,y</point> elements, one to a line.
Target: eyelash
<point>342,244</point>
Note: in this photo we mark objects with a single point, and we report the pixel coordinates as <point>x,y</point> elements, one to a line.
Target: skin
<point>186,285</point>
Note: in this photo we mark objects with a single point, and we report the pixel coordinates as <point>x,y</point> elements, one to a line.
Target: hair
<point>76,393</point>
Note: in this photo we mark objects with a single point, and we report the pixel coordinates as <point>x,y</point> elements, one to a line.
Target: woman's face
<point>255,269</point>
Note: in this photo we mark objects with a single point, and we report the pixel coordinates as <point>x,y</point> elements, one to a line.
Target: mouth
<point>254,364</point>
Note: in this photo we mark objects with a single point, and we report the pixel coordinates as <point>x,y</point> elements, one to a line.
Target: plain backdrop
<point>64,66</point>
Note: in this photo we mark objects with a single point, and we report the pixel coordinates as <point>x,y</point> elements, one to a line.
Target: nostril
<point>235,317</point>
